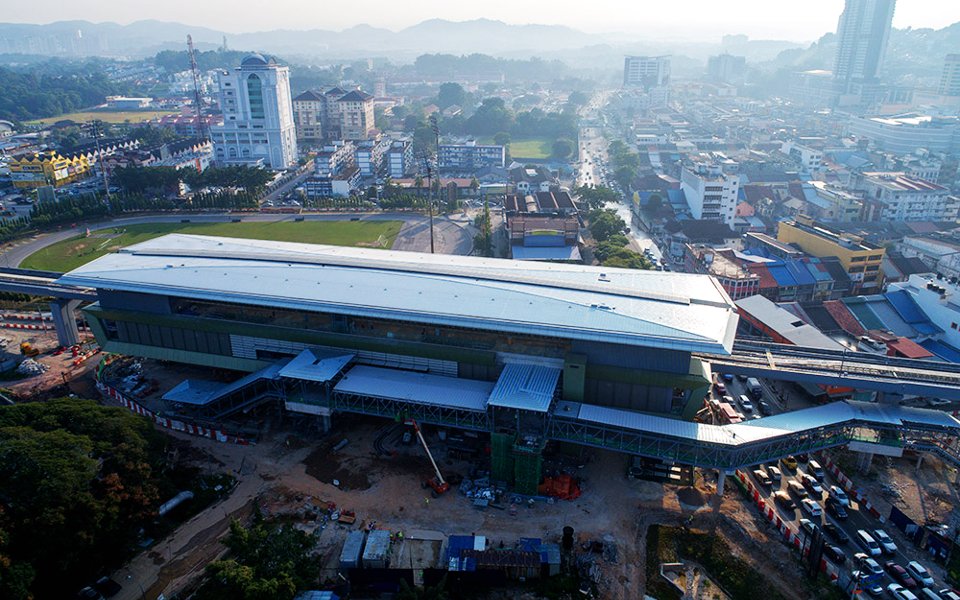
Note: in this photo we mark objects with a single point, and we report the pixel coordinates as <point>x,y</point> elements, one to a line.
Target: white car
<point>898,592</point>
<point>811,507</point>
<point>919,573</point>
<point>775,473</point>
<point>885,541</point>
<point>837,492</point>
<point>869,565</point>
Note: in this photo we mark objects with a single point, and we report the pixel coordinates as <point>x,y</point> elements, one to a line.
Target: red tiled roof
<point>766,279</point>
<point>844,318</point>
<point>908,349</point>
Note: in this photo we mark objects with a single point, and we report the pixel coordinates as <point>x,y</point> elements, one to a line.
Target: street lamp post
<point>436,134</point>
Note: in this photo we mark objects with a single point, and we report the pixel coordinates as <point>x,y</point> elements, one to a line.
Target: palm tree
<point>418,183</point>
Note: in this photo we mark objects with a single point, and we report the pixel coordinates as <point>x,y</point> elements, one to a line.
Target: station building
<point>487,344</point>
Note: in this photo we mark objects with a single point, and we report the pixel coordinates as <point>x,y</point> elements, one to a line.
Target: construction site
<point>495,425</point>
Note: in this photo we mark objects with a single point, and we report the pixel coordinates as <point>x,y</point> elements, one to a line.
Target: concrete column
<point>919,460</point>
<point>325,423</point>
<point>721,479</point>
<point>65,321</point>
<point>864,463</point>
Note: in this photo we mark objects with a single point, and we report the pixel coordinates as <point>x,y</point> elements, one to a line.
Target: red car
<point>900,575</point>
<point>720,387</point>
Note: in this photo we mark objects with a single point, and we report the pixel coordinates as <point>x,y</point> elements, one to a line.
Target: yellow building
<point>47,168</point>
<point>860,259</point>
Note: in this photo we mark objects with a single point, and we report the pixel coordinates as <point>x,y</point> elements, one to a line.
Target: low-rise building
<point>341,185</point>
<point>809,158</point>
<point>471,156</point>
<point>125,103</point>
<point>333,159</point>
<point>906,133</point>
<point>860,259</point>
<point>897,197</point>
<point>723,264</point>
<point>47,168</point>
<point>400,159</point>
<point>369,154</point>
<point>711,189</point>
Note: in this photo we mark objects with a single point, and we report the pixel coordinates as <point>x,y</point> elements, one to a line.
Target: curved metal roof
<point>644,308</point>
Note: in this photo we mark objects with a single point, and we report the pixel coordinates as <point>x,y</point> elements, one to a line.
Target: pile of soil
<point>691,497</point>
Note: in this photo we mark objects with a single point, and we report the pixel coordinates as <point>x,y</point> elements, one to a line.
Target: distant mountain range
<point>143,38</point>
<point>909,48</point>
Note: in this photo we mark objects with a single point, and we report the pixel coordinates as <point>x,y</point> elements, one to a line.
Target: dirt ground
<point>62,376</point>
<point>287,474</point>
<point>924,490</point>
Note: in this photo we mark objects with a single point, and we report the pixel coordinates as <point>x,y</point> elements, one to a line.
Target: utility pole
<point>436,133</point>
<point>100,159</point>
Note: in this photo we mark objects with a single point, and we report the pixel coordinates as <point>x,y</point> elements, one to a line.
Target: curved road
<point>451,235</point>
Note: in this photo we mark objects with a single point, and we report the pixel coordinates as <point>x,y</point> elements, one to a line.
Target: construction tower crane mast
<point>437,484</point>
<point>197,100</point>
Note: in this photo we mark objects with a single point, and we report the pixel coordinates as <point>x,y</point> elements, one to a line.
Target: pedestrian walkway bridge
<point>319,384</point>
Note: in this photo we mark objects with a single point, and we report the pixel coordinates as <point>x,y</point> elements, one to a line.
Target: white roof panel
<point>411,386</point>
<point>311,365</point>
<point>526,387</point>
<point>645,308</point>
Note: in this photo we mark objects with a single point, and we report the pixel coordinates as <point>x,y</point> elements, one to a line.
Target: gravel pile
<point>31,367</point>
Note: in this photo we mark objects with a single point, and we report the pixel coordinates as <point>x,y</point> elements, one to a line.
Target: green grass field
<point>122,116</point>
<point>74,252</point>
<point>527,147</point>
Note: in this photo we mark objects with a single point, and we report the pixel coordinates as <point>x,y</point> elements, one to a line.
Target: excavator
<point>437,484</point>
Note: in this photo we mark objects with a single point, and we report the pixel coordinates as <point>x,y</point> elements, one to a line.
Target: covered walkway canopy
<point>415,387</point>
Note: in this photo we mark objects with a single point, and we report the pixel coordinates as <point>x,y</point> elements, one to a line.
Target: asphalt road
<point>452,235</point>
<point>858,518</point>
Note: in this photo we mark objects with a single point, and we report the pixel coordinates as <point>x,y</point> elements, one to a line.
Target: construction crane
<point>436,484</point>
<point>197,101</point>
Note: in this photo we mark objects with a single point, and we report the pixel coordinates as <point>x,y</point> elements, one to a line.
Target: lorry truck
<point>753,387</point>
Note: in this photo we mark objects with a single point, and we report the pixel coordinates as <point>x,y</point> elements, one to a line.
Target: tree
<point>596,197</point>
<point>562,148</point>
<point>501,138</point>
<point>265,562</point>
<point>450,94</point>
<point>654,203</point>
<point>578,98</point>
<point>77,482</point>
<point>605,223</point>
<point>483,241</point>
<point>491,117</point>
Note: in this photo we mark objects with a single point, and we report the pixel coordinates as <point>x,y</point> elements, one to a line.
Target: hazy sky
<point>782,19</point>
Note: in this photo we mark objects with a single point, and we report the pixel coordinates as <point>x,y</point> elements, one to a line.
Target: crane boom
<point>416,427</point>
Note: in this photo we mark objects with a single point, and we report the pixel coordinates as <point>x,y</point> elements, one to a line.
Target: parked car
<point>834,553</point>
<point>814,468</point>
<point>836,534</point>
<point>811,507</point>
<point>789,462</point>
<point>797,489</point>
<point>920,574</point>
<point>900,575</point>
<point>835,508</point>
<point>720,387</point>
<point>784,500</point>
<point>764,407</point>
<point>868,564</point>
<point>746,404</point>
<point>808,527</point>
<point>728,377</point>
<point>872,587</point>
<point>837,492</point>
<point>774,473</point>
<point>762,478</point>
<point>948,594</point>
<point>885,541</point>
<point>867,542</point>
<point>811,483</point>
<point>898,592</point>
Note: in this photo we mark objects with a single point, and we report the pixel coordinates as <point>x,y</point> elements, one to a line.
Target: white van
<point>867,542</point>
